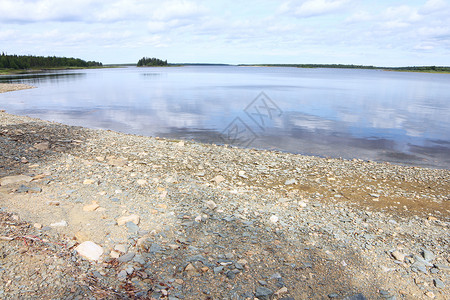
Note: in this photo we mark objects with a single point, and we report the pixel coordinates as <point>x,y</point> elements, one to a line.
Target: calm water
<point>368,114</point>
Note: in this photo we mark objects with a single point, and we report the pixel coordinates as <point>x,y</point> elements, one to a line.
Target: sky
<point>377,32</point>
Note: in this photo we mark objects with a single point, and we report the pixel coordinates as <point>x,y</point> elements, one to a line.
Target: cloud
<point>311,8</point>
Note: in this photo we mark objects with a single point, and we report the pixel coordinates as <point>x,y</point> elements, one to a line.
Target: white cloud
<point>312,8</point>
<point>433,6</point>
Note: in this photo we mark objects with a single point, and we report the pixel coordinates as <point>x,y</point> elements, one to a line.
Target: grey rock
<point>442,267</point>
<point>434,270</point>
<point>155,248</point>
<point>139,259</point>
<point>262,282</point>
<point>263,293</point>
<point>122,275</point>
<point>132,228</point>
<point>428,255</point>
<point>438,283</point>
<point>230,274</point>
<point>217,270</point>
<point>126,257</point>
<point>333,295</point>
<point>419,261</point>
<point>115,199</point>
<point>356,297</point>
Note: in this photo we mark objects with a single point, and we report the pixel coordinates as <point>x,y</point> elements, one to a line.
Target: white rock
<point>131,218</point>
<point>273,219</point>
<point>91,207</point>
<point>88,181</point>
<point>120,248</point>
<point>89,250</point>
<point>290,181</point>
<point>398,255</point>
<point>141,181</point>
<point>15,179</point>
<point>218,179</point>
<point>59,224</point>
<point>211,204</point>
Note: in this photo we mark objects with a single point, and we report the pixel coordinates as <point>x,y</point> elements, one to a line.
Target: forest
<point>151,62</point>
<point>22,62</point>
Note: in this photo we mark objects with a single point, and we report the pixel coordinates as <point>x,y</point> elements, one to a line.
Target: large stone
<point>15,179</point>
<point>89,250</point>
<point>91,207</point>
<point>131,218</point>
<point>42,146</point>
<point>263,293</point>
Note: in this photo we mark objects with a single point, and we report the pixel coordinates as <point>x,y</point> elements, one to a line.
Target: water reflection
<point>36,78</point>
<point>385,116</point>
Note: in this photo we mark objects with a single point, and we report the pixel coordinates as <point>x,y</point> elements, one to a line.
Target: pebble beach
<point>97,214</point>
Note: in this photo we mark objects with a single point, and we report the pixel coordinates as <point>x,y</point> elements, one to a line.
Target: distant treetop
<point>151,62</point>
<point>37,62</point>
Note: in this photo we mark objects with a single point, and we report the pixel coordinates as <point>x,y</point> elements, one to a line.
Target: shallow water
<point>369,114</point>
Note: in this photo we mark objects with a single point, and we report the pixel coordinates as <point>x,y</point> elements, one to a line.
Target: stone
<point>141,181</point>
<point>273,219</point>
<point>356,297</point>
<point>89,250</point>
<point>281,291</point>
<point>15,179</point>
<point>126,257</point>
<point>398,255</point>
<point>89,181</point>
<point>211,205</point>
<point>91,207</point>
<point>81,236</point>
<point>217,270</point>
<point>263,293</point>
<point>218,179</point>
<point>132,228</point>
<point>131,218</point>
<point>117,162</point>
<point>438,283</point>
<point>120,248</point>
<point>375,195</point>
<point>37,225</point>
<point>59,224</point>
<point>190,268</point>
<point>290,182</point>
<point>430,294</point>
<point>419,261</point>
<point>114,254</point>
<point>122,275</point>
<point>428,255</point>
<point>42,146</point>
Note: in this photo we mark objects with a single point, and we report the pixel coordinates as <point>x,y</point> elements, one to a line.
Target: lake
<point>397,117</point>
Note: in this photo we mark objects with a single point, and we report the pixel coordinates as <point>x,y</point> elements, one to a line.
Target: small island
<point>152,62</point>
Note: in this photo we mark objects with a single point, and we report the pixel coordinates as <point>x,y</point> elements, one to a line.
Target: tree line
<point>38,62</point>
<point>343,66</point>
<point>151,62</point>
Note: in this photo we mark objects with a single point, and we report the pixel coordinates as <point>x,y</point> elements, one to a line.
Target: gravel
<point>252,217</point>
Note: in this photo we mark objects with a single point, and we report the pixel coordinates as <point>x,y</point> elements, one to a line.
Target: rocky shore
<point>95,214</point>
<point>9,87</point>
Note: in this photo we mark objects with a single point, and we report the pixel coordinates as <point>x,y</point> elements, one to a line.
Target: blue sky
<point>382,33</point>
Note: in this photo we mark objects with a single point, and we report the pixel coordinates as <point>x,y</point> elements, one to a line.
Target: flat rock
<point>42,146</point>
<point>126,257</point>
<point>398,255</point>
<point>89,250</point>
<point>125,219</point>
<point>91,207</point>
<point>62,223</point>
<point>15,179</point>
<point>218,179</point>
<point>263,293</point>
<point>290,182</point>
